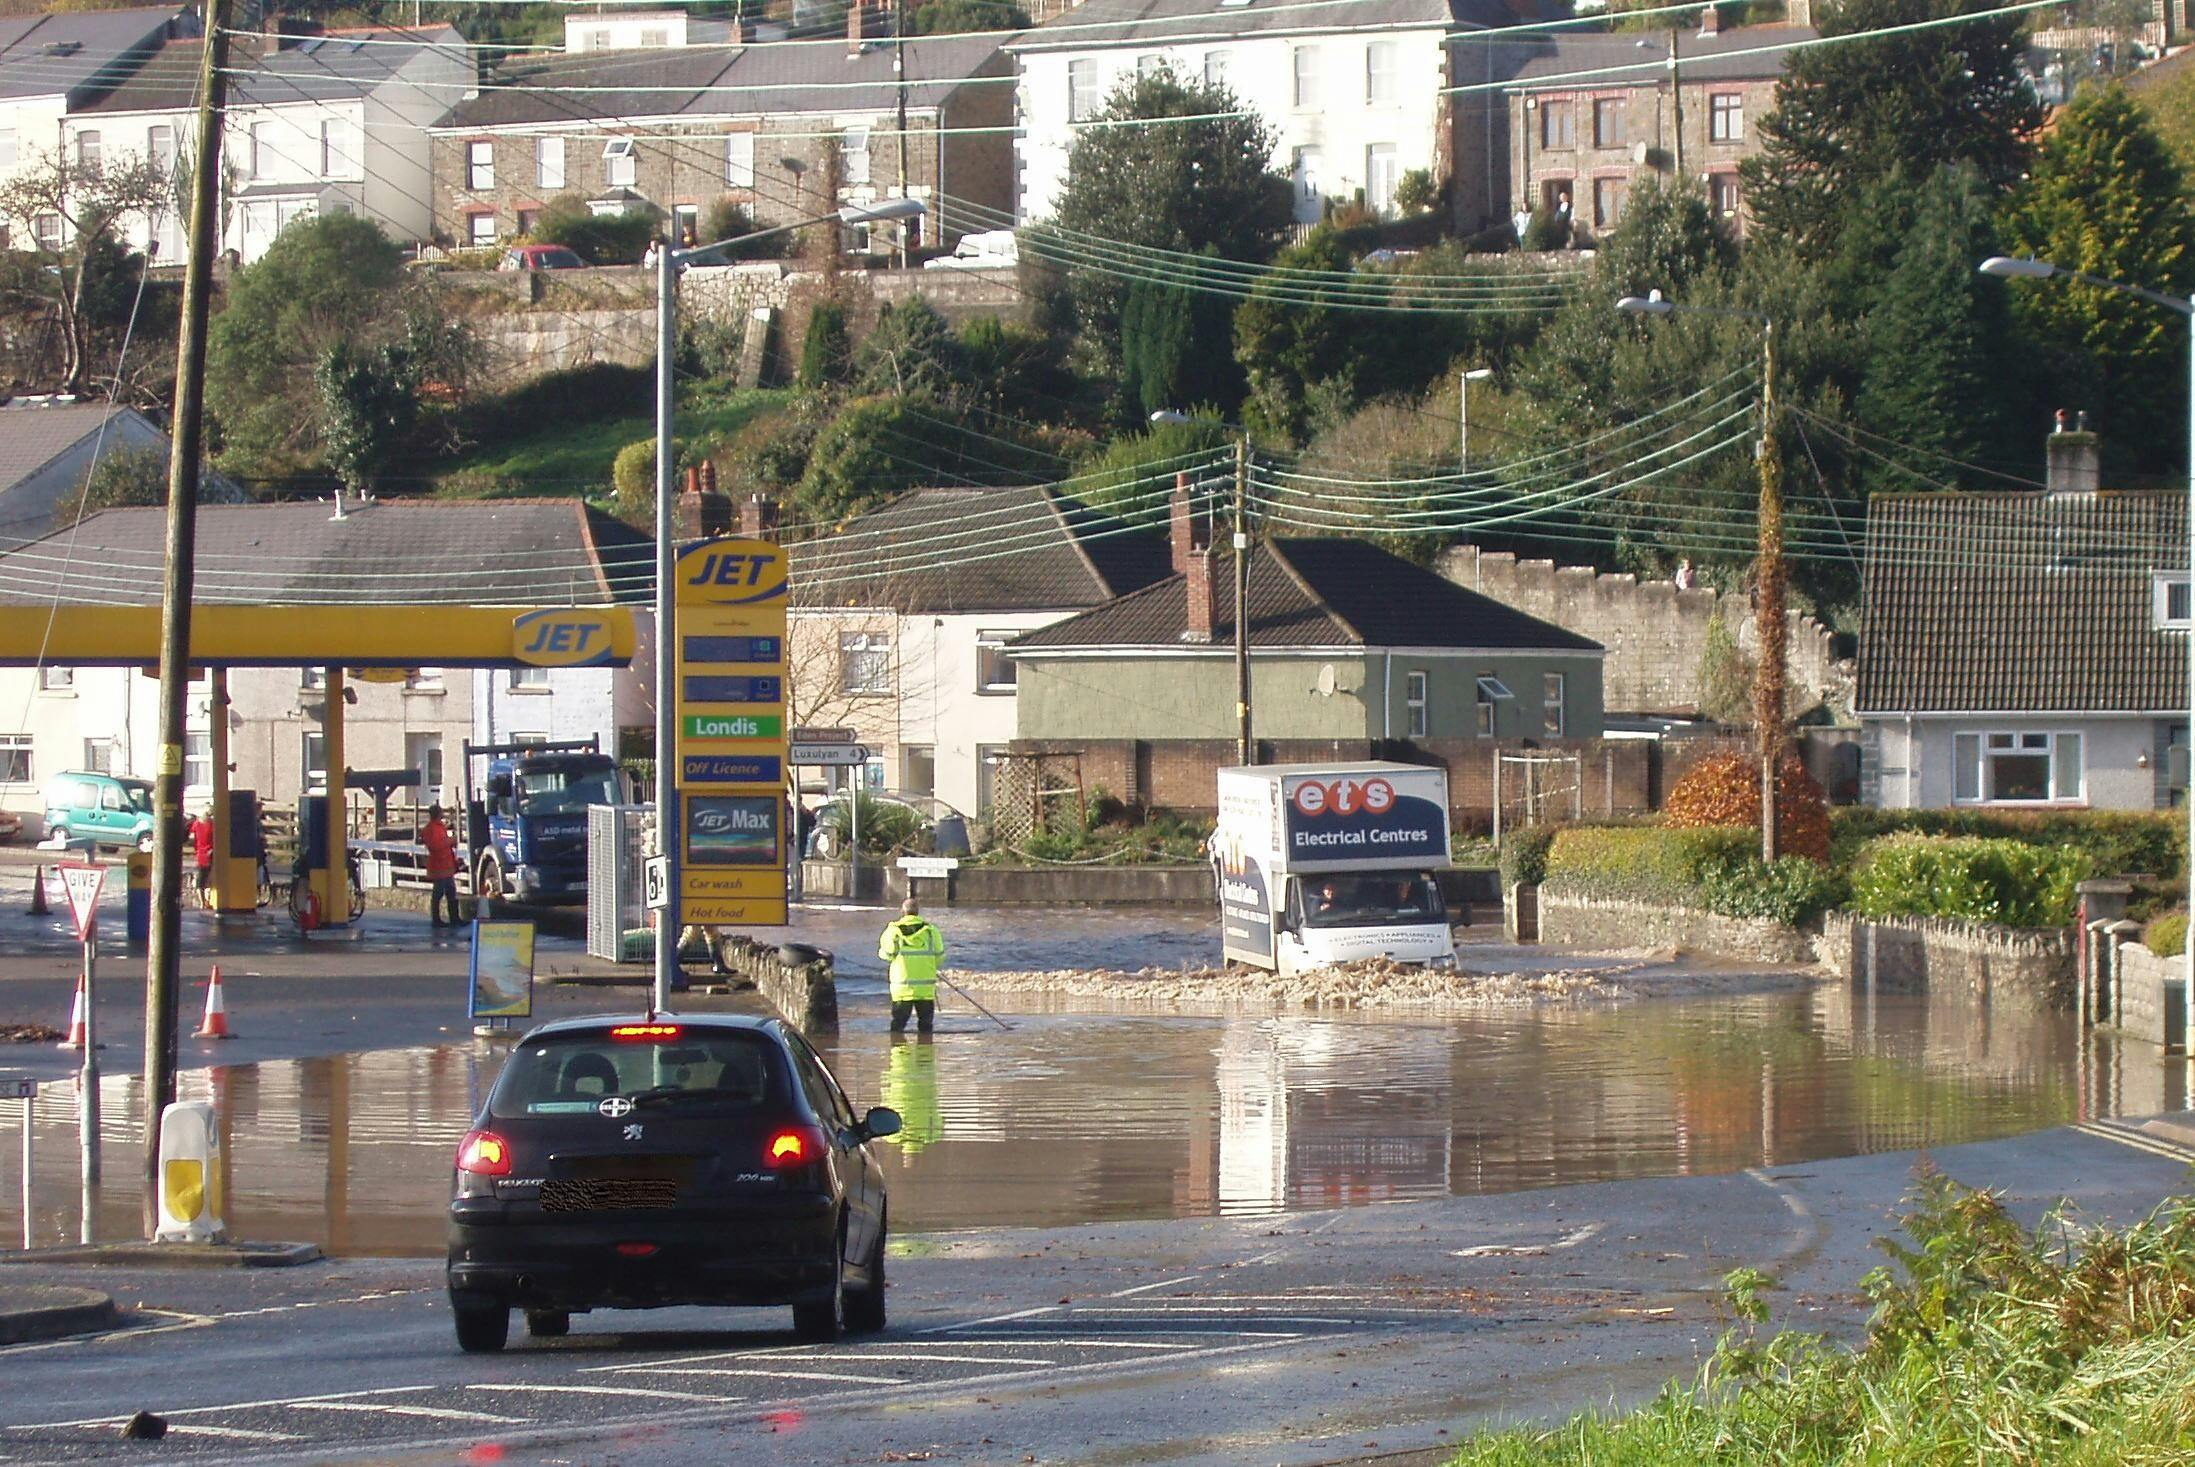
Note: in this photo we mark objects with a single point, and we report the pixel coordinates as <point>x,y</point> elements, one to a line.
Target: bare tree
<point>86,199</point>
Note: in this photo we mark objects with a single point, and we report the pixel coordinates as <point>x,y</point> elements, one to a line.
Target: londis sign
<point>562,636</point>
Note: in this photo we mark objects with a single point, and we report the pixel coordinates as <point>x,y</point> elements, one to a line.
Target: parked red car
<point>540,257</point>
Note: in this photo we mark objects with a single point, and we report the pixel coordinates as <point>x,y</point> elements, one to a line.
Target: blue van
<point>110,811</point>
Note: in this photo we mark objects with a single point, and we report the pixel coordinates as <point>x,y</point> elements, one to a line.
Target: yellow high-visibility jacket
<point>914,947</point>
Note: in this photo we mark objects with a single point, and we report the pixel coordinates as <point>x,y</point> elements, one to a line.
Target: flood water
<point>1083,1116</point>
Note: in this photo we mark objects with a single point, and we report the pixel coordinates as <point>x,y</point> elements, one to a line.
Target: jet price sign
<point>710,689</point>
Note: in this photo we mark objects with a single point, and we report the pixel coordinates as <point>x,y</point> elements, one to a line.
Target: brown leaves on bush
<point>1726,791</point>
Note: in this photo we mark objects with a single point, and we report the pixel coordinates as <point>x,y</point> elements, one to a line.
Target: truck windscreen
<point>1370,899</point>
<point>565,791</point>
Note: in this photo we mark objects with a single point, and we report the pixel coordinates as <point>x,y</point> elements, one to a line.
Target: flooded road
<point>1084,1116</point>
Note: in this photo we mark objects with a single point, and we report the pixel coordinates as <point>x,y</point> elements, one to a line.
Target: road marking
<point>1187,1278</point>
<point>178,1321</point>
<point>236,1433</point>
<point>785,1375</point>
<point>1530,1250</point>
<point>594,1390</point>
<point>390,1408</point>
<point>923,1359</point>
<point>1078,1343</point>
<point>2138,1140</point>
<point>1217,1311</point>
<point>231,1406</point>
<point>941,1329</point>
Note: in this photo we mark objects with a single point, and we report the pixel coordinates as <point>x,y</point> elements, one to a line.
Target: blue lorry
<point>526,820</point>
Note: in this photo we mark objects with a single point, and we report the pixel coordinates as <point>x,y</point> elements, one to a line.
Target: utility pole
<point>1246,750</point>
<point>1768,688</point>
<point>899,81</point>
<point>1676,103</point>
<point>667,830</point>
<point>163,958</point>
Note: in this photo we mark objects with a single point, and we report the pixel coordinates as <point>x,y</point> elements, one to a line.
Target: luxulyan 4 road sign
<point>729,789</point>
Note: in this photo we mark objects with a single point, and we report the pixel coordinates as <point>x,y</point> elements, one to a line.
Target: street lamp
<point>1246,752</point>
<point>1463,413</point>
<point>2005,267</point>
<point>668,261</point>
<point>1768,575</point>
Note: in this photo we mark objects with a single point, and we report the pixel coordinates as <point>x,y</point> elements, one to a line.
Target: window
<point>1551,700</point>
<point>1419,721</point>
<point>197,760</point>
<point>618,164</point>
<point>312,678</point>
<point>1490,690</point>
<point>2169,603</point>
<point>990,766</point>
<point>1608,123</point>
<point>15,759</point>
<point>2025,766</point>
<point>99,756</point>
<point>686,223</point>
<point>88,151</point>
<point>7,147</point>
<point>654,38</point>
<point>46,229</point>
<point>313,763</point>
<point>56,679</point>
<point>1082,90</point>
<point>865,662</point>
<point>1310,197</point>
<point>423,680</point>
<point>479,166</point>
<point>1215,68</point>
<point>739,159</point>
<point>482,227</point>
<point>423,757</point>
<point>337,158</point>
<point>1723,194</point>
<point>1726,117</point>
<point>918,769</point>
<point>854,150</point>
<point>529,677</point>
<point>1558,125</point>
<point>529,738</point>
<point>1380,175</point>
<point>548,162</point>
<point>1307,76</point>
<point>160,147</point>
<point>1608,197</point>
<point>1150,64</point>
<point>258,159</point>
<point>1381,74</point>
<point>994,669</point>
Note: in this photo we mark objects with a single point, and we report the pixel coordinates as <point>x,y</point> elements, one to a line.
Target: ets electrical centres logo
<point>1343,797</point>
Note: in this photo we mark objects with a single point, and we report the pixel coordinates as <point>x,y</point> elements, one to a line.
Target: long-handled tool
<point>994,1018</point>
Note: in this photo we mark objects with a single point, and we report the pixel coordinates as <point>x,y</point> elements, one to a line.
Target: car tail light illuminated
<point>791,1148</point>
<point>636,1250</point>
<point>645,1031</point>
<point>484,1154</point>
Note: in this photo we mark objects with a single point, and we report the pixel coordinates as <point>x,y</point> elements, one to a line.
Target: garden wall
<point>1931,954</point>
<point>1591,922</point>
<point>806,994</point>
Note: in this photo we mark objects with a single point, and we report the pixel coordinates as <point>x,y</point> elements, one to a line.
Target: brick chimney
<point>1711,21</point>
<point>1201,579</point>
<point>2075,456</point>
<point>701,513</point>
<point>1189,529</point>
<point>757,517</point>
<point>859,27</point>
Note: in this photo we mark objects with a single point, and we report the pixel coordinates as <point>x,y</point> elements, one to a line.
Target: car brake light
<point>636,1250</point>
<point>484,1154</point>
<point>790,1148</point>
<point>645,1031</point>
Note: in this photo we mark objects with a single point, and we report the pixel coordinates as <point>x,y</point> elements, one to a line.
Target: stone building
<point>1592,115</point>
<point>767,124</point>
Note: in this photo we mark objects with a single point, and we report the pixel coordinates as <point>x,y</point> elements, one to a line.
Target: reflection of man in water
<point>910,1087</point>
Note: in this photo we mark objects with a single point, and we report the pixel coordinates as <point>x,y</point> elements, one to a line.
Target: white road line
<point>785,1375</point>
<point>231,1406</point>
<point>386,1408</point>
<point>177,1319</point>
<point>1531,1250</point>
<point>921,1359</point>
<point>593,1390</point>
<point>944,1329</point>
<point>1219,1311</point>
<point>235,1433</point>
<point>1187,1278</point>
<point>1180,1344</point>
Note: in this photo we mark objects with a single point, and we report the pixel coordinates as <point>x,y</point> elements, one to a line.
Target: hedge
<point>1973,878</point>
<point>1524,855</point>
<point>2167,935</point>
<point>1717,870</point>
<point>2116,843</point>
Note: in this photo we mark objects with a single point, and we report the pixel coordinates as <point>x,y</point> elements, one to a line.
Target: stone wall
<point>1656,635</point>
<point>806,994</point>
<point>2127,987</point>
<point>1588,922</point>
<point>1930,954</point>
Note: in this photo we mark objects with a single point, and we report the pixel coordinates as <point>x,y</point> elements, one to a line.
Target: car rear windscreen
<point>695,1069</point>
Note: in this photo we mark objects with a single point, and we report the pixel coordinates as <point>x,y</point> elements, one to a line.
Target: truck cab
<point>526,818</point>
<point>1345,917</point>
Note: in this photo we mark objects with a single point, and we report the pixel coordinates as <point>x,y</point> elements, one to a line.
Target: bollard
<point>190,1174</point>
<point>137,915</point>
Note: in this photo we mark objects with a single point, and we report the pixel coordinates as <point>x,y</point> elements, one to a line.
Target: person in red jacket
<point>201,833</point>
<point>441,867</point>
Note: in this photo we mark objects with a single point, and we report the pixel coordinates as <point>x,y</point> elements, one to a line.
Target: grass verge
<point>566,457</point>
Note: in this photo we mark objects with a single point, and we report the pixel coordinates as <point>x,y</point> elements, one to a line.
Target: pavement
<point>1297,1339</point>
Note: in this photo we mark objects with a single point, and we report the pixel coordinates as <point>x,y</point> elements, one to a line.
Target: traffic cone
<point>216,1025</point>
<point>38,907</point>
<point>76,1020</point>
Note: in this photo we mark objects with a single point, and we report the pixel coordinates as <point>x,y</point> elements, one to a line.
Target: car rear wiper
<point>665,1094</point>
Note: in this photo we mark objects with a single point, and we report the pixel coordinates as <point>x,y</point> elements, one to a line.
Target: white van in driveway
<point>993,249</point>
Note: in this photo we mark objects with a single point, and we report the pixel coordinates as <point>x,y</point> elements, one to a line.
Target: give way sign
<point>83,883</point>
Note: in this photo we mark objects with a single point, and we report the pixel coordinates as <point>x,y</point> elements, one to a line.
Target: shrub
<point>599,239</point>
<point>1968,877</point>
<point>826,353</point>
<point>632,478</point>
<point>1641,863</point>
<point>1725,791</point>
<point>2118,843</point>
<point>1793,891</point>
<point>1415,191</point>
<point>1524,855</point>
<point>1547,230</point>
<point>2167,935</point>
<point>125,475</point>
<point>578,395</point>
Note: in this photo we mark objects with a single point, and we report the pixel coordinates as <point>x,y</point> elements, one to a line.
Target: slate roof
<point>336,66</point>
<point>1539,59</point>
<point>766,78</point>
<point>48,55</point>
<point>503,552</point>
<point>1098,23</point>
<point>914,555</point>
<point>1315,592</point>
<point>2020,603</point>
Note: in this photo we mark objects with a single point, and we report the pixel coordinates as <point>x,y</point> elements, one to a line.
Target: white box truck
<point>1319,864</point>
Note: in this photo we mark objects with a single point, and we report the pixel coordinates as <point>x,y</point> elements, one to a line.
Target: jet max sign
<point>1338,819</point>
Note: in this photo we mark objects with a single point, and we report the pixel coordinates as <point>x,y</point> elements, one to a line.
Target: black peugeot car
<point>638,1163</point>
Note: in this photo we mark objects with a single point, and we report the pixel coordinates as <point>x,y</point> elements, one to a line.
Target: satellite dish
<point>1326,680</point>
